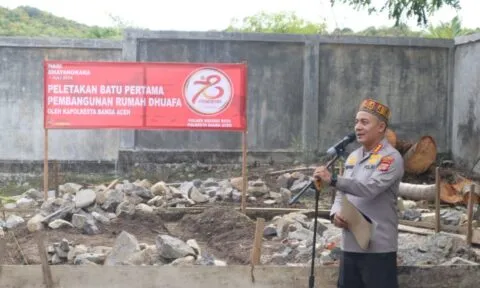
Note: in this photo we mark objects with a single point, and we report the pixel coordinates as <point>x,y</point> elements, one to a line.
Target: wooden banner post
<point>244,172</point>
<point>244,144</point>
<point>45,166</point>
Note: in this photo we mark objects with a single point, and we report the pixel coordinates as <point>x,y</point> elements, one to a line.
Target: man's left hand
<point>323,174</point>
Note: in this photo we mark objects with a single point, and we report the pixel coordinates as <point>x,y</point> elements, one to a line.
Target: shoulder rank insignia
<point>385,163</point>
<point>379,146</point>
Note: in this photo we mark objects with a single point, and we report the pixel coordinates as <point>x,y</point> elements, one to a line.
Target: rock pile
<point>295,233</point>
<point>127,250</point>
<point>84,207</point>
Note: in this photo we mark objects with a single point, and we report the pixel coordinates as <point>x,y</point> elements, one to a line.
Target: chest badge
<point>374,159</point>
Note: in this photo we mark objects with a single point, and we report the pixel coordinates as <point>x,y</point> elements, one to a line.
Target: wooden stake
<point>470,215</point>
<point>47,273</point>
<point>437,200</point>
<point>257,242</point>
<point>257,246</point>
<point>244,171</point>
<point>45,166</point>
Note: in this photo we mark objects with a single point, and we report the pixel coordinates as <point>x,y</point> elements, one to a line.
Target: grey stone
<point>269,231</point>
<point>70,188</point>
<point>79,221</point>
<point>172,248</point>
<point>196,196</point>
<point>144,208</point>
<point>451,217</point>
<point>35,223</point>
<point>411,215</point>
<point>113,199</point>
<point>100,218</point>
<point>92,257</point>
<point>33,194</point>
<point>160,189</point>
<point>85,198</point>
<point>26,203</point>
<point>124,247</point>
<point>14,221</point>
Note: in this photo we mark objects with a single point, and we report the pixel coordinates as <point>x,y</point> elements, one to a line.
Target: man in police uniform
<point>370,182</point>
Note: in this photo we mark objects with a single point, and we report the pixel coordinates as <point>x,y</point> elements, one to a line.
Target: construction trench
<point>193,233</point>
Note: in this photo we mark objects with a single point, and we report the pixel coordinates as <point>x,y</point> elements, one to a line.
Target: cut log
<point>448,192</point>
<point>449,195</point>
<point>417,192</point>
<point>462,187</point>
<point>420,156</point>
<point>402,146</point>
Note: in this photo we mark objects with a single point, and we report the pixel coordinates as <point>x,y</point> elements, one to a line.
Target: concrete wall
<point>412,80</point>
<point>466,102</point>
<point>21,100</point>
<point>303,91</point>
<point>231,276</point>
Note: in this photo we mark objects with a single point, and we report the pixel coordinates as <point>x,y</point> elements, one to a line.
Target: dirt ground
<point>145,228</point>
<point>221,232</point>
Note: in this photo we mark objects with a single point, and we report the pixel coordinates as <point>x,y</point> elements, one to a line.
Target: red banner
<point>138,95</point>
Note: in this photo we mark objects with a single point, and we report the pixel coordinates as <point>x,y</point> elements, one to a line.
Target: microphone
<point>341,144</point>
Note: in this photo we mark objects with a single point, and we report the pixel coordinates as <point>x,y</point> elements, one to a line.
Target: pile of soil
<point>228,232</point>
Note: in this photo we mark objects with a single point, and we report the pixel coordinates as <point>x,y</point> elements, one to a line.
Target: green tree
<point>30,21</point>
<point>401,30</point>
<point>403,9</point>
<point>282,22</point>
<point>449,30</point>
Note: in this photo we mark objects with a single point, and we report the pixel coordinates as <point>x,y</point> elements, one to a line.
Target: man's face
<point>368,128</point>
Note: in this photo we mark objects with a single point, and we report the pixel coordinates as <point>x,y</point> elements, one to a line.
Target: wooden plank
<point>19,210</point>
<point>252,212</point>
<point>280,172</point>
<point>430,225</point>
<point>420,231</point>
<point>262,209</point>
<point>112,184</point>
<point>426,229</point>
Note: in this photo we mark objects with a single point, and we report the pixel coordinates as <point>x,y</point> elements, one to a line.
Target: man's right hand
<point>339,221</point>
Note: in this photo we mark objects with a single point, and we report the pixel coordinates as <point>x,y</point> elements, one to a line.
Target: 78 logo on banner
<point>208,91</point>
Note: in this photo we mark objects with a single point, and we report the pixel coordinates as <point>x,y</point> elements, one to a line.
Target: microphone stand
<point>340,152</point>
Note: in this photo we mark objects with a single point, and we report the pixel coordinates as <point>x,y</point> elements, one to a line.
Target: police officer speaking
<point>370,182</point>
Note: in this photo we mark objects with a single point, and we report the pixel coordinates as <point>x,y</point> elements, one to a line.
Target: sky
<point>202,15</point>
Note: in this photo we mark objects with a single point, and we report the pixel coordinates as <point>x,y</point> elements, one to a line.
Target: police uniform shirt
<point>370,182</point>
